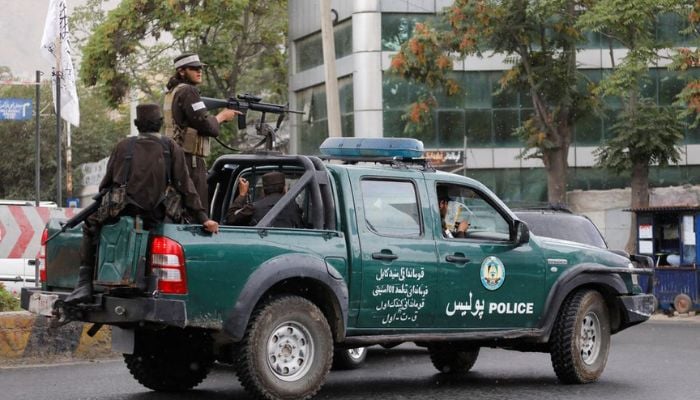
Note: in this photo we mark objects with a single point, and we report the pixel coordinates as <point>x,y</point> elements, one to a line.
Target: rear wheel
<point>448,360</point>
<point>170,360</point>
<point>287,350</point>
<point>349,358</point>
<point>682,303</point>
<point>580,339</point>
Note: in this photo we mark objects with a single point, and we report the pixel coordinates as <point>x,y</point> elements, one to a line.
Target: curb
<point>26,338</point>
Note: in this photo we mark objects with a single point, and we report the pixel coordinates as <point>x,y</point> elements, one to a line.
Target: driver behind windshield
<point>459,230</point>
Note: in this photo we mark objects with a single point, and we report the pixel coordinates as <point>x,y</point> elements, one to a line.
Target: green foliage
<point>7,301</point>
<point>242,42</point>
<point>646,135</point>
<point>100,128</point>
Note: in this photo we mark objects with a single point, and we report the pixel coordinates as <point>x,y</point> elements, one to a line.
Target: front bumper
<point>635,309</point>
<point>113,310</point>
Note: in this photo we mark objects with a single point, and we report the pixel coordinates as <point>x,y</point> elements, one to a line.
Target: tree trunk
<point>639,197</point>
<point>556,165</point>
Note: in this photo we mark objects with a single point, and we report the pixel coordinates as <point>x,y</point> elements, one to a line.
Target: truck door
<point>398,252</point>
<point>485,280</point>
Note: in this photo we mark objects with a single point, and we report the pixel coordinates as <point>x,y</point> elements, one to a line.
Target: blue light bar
<point>362,148</point>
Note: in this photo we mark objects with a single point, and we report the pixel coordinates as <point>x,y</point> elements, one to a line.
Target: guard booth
<point>669,235</point>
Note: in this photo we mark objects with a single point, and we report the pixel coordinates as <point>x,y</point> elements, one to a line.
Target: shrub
<point>7,301</point>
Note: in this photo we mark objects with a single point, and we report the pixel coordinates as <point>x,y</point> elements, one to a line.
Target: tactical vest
<point>188,138</point>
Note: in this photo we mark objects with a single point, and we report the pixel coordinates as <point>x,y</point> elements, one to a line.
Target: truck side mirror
<point>522,233</point>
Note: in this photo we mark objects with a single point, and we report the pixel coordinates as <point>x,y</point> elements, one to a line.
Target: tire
<point>580,339</point>
<point>450,361</point>
<point>171,360</point>
<point>344,359</point>
<point>682,303</point>
<point>287,350</point>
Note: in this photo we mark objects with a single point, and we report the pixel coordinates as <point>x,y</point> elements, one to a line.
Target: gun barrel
<point>211,103</point>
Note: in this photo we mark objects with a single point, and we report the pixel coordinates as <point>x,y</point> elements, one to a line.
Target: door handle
<point>457,259</point>
<point>384,256</point>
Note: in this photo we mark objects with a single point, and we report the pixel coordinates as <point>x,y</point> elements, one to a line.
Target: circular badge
<point>493,273</point>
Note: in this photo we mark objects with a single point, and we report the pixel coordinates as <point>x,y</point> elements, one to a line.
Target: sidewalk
<point>680,318</point>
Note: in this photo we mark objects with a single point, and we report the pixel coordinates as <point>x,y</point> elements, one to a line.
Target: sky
<point>21,27</point>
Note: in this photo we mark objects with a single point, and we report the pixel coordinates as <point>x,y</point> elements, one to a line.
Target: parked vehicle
<point>373,267</point>
<point>562,224</point>
<point>16,273</point>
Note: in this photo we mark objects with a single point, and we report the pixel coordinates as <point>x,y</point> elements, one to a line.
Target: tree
<point>645,134</point>
<point>538,38</point>
<point>99,130</point>
<point>242,42</point>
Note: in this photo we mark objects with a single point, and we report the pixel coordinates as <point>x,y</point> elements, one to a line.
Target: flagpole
<point>59,170</point>
<point>37,165</point>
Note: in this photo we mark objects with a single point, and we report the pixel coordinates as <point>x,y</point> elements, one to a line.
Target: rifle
<point>82,215</point>
<point>245,102</point>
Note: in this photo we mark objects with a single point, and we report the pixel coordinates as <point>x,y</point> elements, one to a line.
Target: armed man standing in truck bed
<point>188,122</point>
<point>145,177</point>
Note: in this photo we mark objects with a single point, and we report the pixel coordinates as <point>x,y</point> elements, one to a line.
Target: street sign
<point>15,109</point>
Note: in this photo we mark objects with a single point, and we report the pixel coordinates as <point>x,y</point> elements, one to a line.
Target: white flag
<point>55,47</point>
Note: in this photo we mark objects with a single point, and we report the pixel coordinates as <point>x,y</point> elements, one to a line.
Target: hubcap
<point>589,341</point>
<point>356,353</point>
<point>290,351</point>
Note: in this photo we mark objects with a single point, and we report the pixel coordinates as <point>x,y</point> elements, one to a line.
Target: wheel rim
<point>290,351</point>
<point>357,353</point>
<point>589,340</point>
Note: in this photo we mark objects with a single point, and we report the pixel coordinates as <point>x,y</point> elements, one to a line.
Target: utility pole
<point>332,100</point>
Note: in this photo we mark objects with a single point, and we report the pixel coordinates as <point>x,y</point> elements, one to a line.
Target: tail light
<point>168,265</point>
<point>41,258</point>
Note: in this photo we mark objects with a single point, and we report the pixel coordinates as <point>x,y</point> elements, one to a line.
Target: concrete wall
<point>604,208</point>
<point>26,338</point>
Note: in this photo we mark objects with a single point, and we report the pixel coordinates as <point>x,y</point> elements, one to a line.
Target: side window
<point>461,203</point>
<point>391,208</point>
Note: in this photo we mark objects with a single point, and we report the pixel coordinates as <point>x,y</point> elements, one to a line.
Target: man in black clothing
<point>136,177</point>
<point>242,212</point>
<point>188,122</point>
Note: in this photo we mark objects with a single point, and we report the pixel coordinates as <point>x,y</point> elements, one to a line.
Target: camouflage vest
<point>188,138</point>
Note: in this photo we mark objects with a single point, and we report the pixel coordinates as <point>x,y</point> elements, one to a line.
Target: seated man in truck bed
<point>242,212</point>
<point>137,179</point>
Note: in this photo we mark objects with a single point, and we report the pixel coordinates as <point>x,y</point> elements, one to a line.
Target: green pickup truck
<point>374,265</point>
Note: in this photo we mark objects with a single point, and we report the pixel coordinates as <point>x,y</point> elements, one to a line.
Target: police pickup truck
<point>373,266</point>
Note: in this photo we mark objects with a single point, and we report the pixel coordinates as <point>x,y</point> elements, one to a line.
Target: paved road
<point>656,360</point>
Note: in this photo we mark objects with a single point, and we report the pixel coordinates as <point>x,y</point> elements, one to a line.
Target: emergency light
<point>366,148</point>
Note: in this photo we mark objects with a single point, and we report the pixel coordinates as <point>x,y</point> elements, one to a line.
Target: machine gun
<point>245,102</point>
<point>82,215</point>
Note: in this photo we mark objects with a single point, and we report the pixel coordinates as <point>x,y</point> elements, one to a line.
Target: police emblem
<point>492,273</point>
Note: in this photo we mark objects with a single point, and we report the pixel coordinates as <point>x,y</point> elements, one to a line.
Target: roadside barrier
<point>26,338</point>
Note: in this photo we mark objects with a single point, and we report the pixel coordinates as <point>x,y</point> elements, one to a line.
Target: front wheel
<point>448,360</point>
<point>349,358</point>
<point>580,339</point>
<point>287,350</point>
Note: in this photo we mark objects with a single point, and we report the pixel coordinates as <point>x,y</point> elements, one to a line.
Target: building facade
<point>472,132</point>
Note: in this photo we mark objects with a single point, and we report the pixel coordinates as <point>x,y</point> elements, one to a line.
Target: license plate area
<point>42,304</point>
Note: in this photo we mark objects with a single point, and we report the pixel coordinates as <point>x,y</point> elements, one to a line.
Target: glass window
<point>504,122</point>
<point>398,28</point>
<point>588,130</point>
<point>450,126</point>
<point>478,128</point>
<point>466,204</point>
<point>502,98</point>
<point>668,27</point>
<point>391,208</point>
<point>309,50</point>
<point>670,84</point>
<point>477,89</point>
